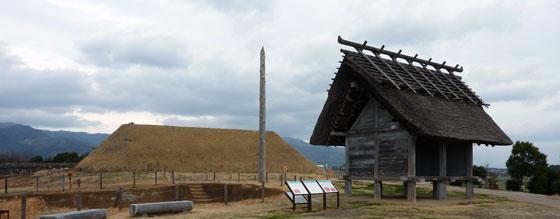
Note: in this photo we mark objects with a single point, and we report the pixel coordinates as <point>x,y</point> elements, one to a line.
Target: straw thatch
<point>185,149</point>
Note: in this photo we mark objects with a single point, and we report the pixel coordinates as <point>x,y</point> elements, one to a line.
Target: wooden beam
<point>469,193</point>
<point>389,53</point>
<point>455,85</point>
<point>440,185</point>
<point>348,179</point>
<point>411,184</point>
<point>394,72</point>
<point>337,133</point>
<point>376,67</point>
<point>440,82</point>
<point>427,79</point>
<point>411,75</point>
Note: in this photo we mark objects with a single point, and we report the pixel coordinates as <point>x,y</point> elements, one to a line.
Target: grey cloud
<point>126,49</point>
<point>28,88</point>
<point>44,118</point>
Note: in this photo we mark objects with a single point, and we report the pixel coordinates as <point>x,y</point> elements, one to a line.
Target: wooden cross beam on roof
<point>398,55</point>
<point>411,75</point>
<point>378,56</point>
<point>427,79</point>
<point>440,82</point>
<point>376,67</point>
<point>454,84</point>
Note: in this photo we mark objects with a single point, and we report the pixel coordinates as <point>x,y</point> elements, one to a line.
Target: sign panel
<point>297,187</point>
<point>327,186</point>
<point>313,187</point>
<point>300,199</point>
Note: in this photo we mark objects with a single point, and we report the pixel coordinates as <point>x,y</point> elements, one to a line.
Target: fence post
<point>79,201</point>
<point>238,176</point>
<point>155,176</point>
<point>281,180</point>
<point>214,176</point>
<point>225,193</point>
<point>133,179</point>
<point>177,192</point>
<point>173,177</point>
<point>164,169</point>
<point>266,177</point>
<point>36,183</point>
<point>23,206</point>
<point>100,180</point>
<point>6,185</point>
<point>118,199</point>
<point>63,184</point>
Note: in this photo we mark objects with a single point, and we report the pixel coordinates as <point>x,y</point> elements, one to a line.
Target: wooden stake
<point>6,185</point>
<point>133,179</point>
<point>173,177</point>
<point>155,176</point>
<point>23,206</point>
<point>79,201</point>
<point>36,183</point>
<point>100,180</point>
<point>225,194</point>
<point>262,122</point>
<point>63,184</point>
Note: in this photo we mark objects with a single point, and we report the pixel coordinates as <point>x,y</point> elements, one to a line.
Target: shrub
<point>513,185</point>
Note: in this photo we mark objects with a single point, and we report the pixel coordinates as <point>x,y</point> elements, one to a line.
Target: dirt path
<point>522,196</point>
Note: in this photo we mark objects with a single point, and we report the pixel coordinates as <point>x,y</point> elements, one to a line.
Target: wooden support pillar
<point>100,180</point>
<point>405,188</point>
<point>36,183</point>
<point>378,190</point>
<point>347,178</point>
<point>469,193</point>
<point>23,206</point>
<point>411,183</point>
<point>441,186</point>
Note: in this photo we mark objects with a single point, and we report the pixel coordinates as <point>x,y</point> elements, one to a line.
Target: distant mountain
<point>25,140</point>
<point>332,156</point>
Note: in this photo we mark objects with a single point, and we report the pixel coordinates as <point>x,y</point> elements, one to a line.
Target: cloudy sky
<point>93,65</point>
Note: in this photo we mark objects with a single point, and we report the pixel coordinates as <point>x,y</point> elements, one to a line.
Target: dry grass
<point>361,205</point>
<point>134,147</point>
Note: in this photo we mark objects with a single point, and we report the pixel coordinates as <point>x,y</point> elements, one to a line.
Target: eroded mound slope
<point>186,149</point>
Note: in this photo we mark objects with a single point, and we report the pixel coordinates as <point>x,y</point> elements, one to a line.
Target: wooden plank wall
<point>391,137</point>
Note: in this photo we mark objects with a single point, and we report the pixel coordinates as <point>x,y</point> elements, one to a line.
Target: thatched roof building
<point>427,102</point>
<point>405,118</point>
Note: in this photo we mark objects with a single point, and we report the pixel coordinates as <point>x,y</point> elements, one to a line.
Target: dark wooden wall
<point>376,127</point>
<point>427,157</point>
<point>457,158</point>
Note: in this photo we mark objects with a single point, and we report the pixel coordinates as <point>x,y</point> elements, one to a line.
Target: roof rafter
<point>453,83</point>
<point>377,67</point>
<point>427,79</point>
<point>411,75</point>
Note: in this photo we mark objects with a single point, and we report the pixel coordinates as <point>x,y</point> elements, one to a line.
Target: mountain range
<point>25,140</point>
<point>331,156</point>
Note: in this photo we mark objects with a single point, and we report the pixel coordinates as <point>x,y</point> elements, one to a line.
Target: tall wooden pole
<point>262,125</point>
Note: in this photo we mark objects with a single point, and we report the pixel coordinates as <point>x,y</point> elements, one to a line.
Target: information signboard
<point>312,186</point>
<point>297,187</point>
<point>327,186</point>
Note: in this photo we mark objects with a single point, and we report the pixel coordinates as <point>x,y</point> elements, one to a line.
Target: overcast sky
<point>94,65</point>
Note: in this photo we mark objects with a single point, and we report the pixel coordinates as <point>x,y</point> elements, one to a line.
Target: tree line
<point>528,169</point>
<point>65,157</point>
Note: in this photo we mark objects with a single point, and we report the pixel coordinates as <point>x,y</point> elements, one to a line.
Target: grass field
<point>361,205</point>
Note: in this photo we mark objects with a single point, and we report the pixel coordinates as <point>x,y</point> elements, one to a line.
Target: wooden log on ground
<point>159,208</point>
<point>86,214</point>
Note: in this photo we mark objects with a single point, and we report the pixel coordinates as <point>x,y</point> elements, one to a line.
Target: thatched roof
<point>187,149</point>
<point>427,101</point>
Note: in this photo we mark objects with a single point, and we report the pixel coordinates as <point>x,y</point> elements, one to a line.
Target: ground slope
<point>185,149</point>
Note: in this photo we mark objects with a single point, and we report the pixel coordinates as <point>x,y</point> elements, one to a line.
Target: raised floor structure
<point>404,118</point>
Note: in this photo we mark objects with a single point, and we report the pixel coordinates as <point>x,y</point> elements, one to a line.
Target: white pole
<point>262,125</point>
